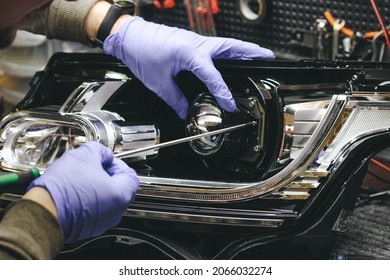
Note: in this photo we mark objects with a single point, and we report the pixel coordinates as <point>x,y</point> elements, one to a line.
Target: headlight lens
<point>38,143</point>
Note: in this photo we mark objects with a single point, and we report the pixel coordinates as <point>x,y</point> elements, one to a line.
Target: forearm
<point>29,231</point>
<point>63,20</point>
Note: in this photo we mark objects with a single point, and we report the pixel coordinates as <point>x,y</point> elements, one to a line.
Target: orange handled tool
<point>346,31</point>
<point>214,7</point>
<point>166,4</point>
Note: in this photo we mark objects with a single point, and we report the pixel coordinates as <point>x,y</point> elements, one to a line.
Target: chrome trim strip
<point>300,185</point>
<point>160,181</point>
<point>288,196</point>
<point>184,217</point>
<point>203,219</point>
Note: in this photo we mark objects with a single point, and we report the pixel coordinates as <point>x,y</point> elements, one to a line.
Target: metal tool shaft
<point>184,140</point>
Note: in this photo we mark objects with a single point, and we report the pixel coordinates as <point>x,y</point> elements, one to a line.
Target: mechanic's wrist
<point>41,196</point>
<point>96,16</point>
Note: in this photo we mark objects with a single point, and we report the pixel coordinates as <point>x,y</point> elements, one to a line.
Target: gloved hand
<point>90,188</point>
<point>156,53</point>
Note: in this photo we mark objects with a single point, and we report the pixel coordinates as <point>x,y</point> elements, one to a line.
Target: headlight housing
<point>282,174</point>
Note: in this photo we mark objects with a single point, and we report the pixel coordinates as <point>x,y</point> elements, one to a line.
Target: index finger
<point>211,77</point>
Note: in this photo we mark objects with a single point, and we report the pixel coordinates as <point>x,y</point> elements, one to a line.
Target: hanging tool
<point>319,44</point>
<point>211,31</point>
<point>202,12</point>
<point>337,26</point>
<point>206,17</point>
<point>214,7</point>
<point>19,179</point>
<point>164,4</point>
<point>349,32</point>
<point>193,16</point>
<point>187,4</point>
<point>184,140</point>
<point>200,16</point>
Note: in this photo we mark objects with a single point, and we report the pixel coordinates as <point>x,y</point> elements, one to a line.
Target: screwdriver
<point>19,179</point>
<point>183,140</point>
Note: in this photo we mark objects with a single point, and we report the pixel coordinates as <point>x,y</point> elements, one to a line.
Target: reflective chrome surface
<point>32,143</point>
<point>205,116</point>
<point>89,97</point>
<point>36,139</point>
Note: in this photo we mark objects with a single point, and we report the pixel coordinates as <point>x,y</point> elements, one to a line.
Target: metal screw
<point>251,104</point>
<point>256,148</point>
<point>247,91</point>
<point>355,77</point>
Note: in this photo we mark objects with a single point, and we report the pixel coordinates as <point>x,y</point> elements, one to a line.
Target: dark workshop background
<point>285,22</point>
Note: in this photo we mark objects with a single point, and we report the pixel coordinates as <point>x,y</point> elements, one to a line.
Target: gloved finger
<point>94,151</point>
<point>211,77</point>
<point>124,178</point>
<point>117,166</point>
<point>237,49</point>
<point>173,96</point>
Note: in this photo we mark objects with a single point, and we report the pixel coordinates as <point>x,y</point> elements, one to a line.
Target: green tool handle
<point>19,179</point>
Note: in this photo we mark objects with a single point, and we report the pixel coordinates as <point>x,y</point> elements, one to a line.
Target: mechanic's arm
<point>81,195</point>
<point>29,228</point>
<point>63,20</point>
<point>155,53</point>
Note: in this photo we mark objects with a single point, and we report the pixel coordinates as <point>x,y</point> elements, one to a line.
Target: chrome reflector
<point>33,144</point>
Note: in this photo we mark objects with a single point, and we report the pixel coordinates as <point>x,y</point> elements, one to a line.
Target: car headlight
<point>278,174</point>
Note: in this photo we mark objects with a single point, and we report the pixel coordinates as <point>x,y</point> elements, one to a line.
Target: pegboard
<point>276,31</point>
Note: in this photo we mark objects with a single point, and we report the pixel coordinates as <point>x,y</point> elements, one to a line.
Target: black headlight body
<point>294,176</point>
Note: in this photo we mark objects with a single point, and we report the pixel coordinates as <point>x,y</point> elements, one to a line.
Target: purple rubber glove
<point>90,188</point>
<point>155,53</point>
